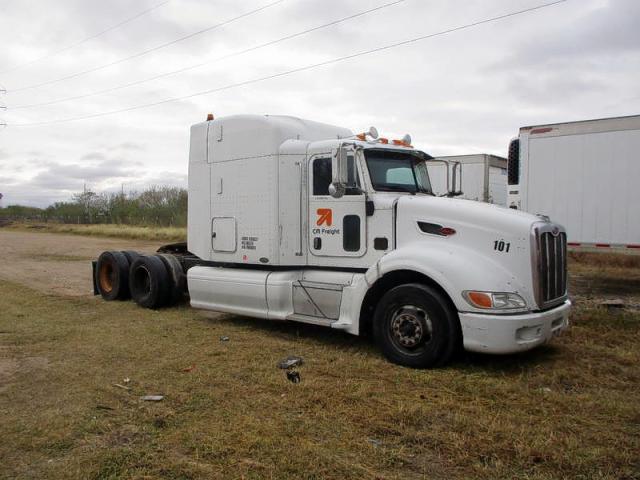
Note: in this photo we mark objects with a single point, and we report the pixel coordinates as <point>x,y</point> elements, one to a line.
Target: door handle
<point>213,235</point>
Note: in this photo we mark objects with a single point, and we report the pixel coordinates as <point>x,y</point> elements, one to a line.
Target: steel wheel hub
<point>410,326</point>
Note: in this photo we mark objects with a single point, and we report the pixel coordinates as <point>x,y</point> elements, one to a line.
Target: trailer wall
<point>585,180</point>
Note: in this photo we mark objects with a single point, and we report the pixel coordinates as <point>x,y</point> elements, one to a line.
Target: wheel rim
<point>106,277</point>
<point>410,328</point>
<point>142,280</point>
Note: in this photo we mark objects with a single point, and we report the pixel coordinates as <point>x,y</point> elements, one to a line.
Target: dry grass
<point>568,410</point>
<point>164,234</point>
<point>605,260</point>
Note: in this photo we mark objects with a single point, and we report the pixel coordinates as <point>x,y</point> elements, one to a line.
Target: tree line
<point>158,206</point>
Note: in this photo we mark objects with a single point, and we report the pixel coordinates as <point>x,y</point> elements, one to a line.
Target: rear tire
<point>149,282</point>
<point>176,276</point>
<point>131,256</point>
<point>415,326</point>
<point>112,276</point>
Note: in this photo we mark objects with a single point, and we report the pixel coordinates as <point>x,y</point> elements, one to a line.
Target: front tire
<point>415,326</point>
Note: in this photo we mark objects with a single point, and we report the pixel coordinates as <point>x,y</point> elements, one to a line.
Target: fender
<point>455,269</point>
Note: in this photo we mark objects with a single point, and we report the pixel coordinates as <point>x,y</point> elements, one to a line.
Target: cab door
<point>337,226</point>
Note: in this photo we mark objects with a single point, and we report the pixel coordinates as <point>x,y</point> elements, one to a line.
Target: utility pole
<point>3,107</point>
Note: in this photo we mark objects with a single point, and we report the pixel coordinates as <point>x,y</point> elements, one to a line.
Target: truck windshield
<point>393,171</point>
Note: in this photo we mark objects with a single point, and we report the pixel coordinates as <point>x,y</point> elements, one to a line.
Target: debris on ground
<point>152,398</point>
<point>160,422</point>
<point>545,390</point>
<point>615,303</point>
<point>104,407</point>
<point>126,380</point>
<point>374,442</point>
<point>224,338</point>
<point>124,387</point>
<point>293,376</point>
<point>289,362</point>
<point>190,368</point>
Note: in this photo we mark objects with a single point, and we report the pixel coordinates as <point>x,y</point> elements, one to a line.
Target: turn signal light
<point>480,299</point>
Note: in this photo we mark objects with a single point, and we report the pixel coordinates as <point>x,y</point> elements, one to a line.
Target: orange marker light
<point>480,299</point>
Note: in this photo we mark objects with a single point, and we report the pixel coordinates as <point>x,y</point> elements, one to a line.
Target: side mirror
<point>456,180</point>
<point>339,173</point>
<point>336,190</point>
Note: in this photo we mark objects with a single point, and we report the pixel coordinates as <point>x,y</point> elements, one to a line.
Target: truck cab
<point>294,220</point>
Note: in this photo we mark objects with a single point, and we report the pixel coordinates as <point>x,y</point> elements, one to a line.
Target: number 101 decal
<point>501,246</point>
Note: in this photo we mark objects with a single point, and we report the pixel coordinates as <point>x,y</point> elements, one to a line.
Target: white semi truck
<point>296,220</point>
<point>584,175</point>
<point>481,177</point>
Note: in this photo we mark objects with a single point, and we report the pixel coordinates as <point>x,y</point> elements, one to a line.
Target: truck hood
<point>467,214</point>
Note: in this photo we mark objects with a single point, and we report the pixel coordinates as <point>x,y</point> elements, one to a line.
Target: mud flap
<point>94,264</point>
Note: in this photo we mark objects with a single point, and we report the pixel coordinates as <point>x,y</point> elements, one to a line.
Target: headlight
<point>494,300</point>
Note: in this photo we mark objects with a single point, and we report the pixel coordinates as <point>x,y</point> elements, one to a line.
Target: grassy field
<point>567,410</point>
<point>164,234</point>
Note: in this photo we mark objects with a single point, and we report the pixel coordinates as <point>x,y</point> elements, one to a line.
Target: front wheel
<point>414,326</point>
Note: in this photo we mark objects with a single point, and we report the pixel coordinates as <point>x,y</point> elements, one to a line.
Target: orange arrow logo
<point>325,217</point>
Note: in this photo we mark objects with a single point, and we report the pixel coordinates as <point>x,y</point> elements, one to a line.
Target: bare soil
<point>55,263</point>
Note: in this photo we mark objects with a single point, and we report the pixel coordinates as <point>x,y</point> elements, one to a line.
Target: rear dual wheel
<point>149,282</point>
<point>112,276</point>
<point>157,281</point>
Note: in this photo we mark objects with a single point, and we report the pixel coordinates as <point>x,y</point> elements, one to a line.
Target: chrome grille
<point>550,264</point>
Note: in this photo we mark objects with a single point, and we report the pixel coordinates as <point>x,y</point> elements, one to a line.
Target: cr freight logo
<point>325,217</point>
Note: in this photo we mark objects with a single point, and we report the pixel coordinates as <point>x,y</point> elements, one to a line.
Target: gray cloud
<point>609,29</point>
<point>93,156</point>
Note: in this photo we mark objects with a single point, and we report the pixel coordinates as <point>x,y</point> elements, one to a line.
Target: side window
<point>321,176</point>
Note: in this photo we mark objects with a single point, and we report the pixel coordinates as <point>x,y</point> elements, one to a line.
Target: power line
<point>218,59</point>
<point>145,52</point>
<point>299,69</point>
<point>84,40</point>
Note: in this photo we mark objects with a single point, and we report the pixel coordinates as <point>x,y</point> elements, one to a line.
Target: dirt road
<point>54,263</point>
<point>61,264</point>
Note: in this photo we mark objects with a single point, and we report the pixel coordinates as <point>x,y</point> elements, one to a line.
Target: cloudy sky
<point>468,91</point>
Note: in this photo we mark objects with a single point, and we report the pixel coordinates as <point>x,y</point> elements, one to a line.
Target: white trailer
<point>584,175</point>
<point>481,177</point>
<point>294,220</point>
